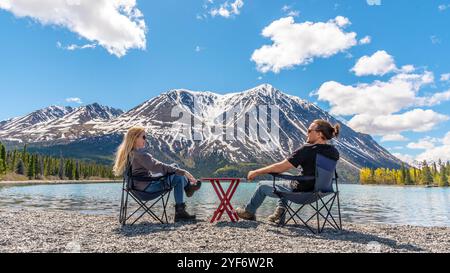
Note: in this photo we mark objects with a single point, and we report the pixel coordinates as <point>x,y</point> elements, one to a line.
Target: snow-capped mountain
<point>101,128</point>
<point>58,124</point>
<point>295,115</point>
<point>12,129</point>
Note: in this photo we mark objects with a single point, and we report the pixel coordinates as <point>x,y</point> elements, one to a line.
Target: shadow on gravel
<point>240,224</point>
<point>144,228</point>
<point>346,235</point>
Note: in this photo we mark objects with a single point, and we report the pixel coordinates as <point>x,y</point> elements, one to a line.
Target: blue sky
<point>196,45</point>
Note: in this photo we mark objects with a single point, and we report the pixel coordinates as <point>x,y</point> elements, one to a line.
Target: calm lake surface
<point>360,204</point>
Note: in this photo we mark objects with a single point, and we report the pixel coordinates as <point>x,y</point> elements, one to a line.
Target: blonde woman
<point>143,164</point>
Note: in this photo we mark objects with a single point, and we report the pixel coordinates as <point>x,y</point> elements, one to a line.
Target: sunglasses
<point>310,130</point>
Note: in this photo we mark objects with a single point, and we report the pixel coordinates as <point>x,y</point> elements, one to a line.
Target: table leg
<point>226,201</point>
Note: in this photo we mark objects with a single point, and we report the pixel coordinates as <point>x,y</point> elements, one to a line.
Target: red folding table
<point>224,197</point>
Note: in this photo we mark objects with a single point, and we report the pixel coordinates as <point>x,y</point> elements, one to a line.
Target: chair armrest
<point>292,177</point>
<point>150,178</point>
<point>299,178</point>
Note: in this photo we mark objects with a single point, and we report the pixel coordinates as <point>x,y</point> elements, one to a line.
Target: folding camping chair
<point>323,189</point>
<point>142,198</point>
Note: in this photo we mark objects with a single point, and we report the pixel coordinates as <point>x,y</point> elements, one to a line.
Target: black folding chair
<point>317,199</point>
<point>143,198</point>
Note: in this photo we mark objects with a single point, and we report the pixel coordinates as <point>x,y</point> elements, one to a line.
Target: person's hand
<point>191,178</point>
<point>252,175</point>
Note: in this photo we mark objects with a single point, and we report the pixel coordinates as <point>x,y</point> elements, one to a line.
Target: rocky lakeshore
<point>29,230</point>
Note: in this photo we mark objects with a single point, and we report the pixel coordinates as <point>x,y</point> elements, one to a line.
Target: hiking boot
<point>243,214</point>
<point>181,214</point>
<point>190,189</point>
<point>278,216</point>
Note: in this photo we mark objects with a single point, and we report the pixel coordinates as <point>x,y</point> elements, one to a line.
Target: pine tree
<point>24,154</point>
<point>77,171</point>
<point>2,170</point>
<point>61,168</point>
<point>20,168</point>
<point>13,160</point>
<point>37,167</point>
<point>69,170</point>
<point>427,177</point>
<point>3,158</point>
<point>434,169</point>
<point>443,178</point>
<point>31,168</point>
<point>408,180</point>
<point>403,172</point>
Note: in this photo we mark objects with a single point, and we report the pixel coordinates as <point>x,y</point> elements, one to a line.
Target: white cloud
<point>393,137</point>
<point>416,120</point>
<point>299,43</point>
<point>366,40</point>
<point>423,144</point>
<point>293,13</point>
<point>377,98</point>
<point>198,49</point>
<point>374,2</point>
<point>407,68</point>
<point>286,8</point>
<point>435,99</point>
<point>376,108</point>
<point>443,7</point>
<point>116,25</point>
<point>445,77</point>
<point>289,11</point>
<point>435,40</point>
<point>406,158</point>
<point>227,9</point>
<point>379,64</point>
<point>75,47</point>
<point>74,100</point>
<point>200,16</point>
<point>437,152</point>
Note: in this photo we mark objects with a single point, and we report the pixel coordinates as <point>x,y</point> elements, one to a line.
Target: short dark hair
<point>327,129</point>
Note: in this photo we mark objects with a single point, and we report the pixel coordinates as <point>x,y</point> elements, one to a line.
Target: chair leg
<point>122,200</point>
<point>328,209</point>
<point>123,214</point>
<point>125,208</point>
<point>296,215</point>
<point>147,209</point>
<point>318,222</point>
<point>339,211</point>
<point>165,208</point>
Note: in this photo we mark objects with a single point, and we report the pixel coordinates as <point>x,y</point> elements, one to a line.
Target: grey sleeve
<point>151,164</point>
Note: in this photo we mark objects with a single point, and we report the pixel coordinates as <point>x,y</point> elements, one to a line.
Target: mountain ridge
<point>160,115</point>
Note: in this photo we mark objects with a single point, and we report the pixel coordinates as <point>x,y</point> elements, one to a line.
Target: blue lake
<point>360,204</point>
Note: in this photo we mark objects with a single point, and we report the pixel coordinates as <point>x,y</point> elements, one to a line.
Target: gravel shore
<point>55,182</point>
<point>60,231</point>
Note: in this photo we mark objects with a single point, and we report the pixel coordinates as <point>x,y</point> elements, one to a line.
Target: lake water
<point>360,204</point>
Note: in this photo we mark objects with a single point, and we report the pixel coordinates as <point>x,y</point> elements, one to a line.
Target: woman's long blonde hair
<point>125,149</point>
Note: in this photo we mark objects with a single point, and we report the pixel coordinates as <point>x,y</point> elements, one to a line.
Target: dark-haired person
<point>319,133</point>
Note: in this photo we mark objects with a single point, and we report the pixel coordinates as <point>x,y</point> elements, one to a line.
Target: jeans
<point>178,183</point>
<point>265,188</point>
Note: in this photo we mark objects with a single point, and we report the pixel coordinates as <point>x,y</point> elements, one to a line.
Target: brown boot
<point>190,189</point>
<point>243,214</point>
<point>181,214</point>
<point>278,215</point>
